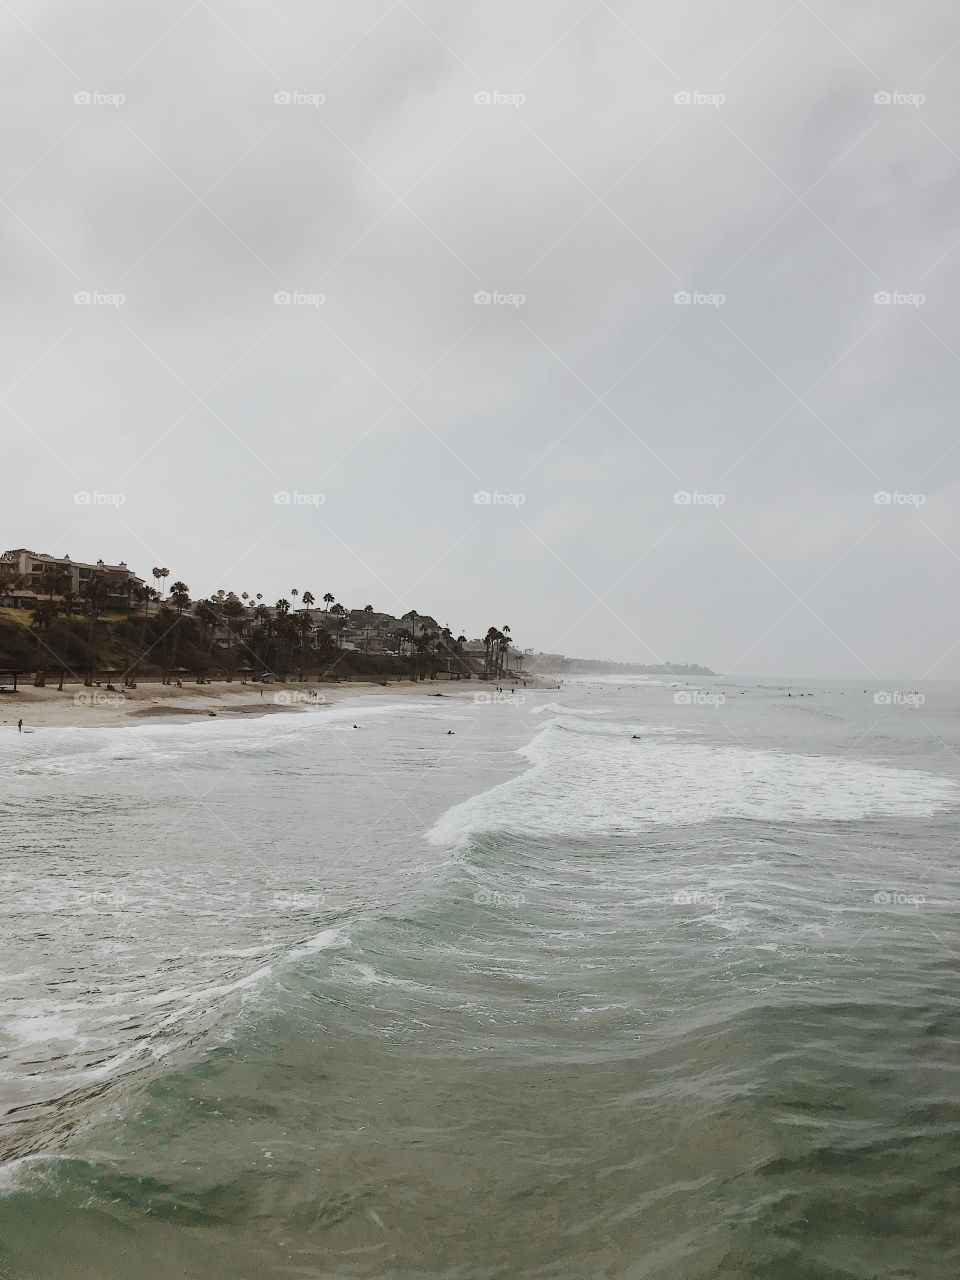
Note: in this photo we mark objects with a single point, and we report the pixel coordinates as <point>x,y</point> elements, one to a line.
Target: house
<point>21,578</point>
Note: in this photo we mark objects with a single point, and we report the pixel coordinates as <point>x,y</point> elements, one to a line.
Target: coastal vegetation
<point>167,634</point>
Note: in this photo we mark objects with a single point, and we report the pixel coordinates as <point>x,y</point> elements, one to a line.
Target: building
<point>22,585</point>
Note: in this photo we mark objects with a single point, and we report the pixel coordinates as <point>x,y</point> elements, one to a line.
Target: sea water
<point>634,978</point>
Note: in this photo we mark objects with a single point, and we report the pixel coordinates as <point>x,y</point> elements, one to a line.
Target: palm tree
<point>295,593</point>
<point>489,647</point>
<point>144,594</point>
<point>304,627</point>
<point>368,608</point>
<point>308,599</point>
<point>340,613</point>
<point>233,611</point>
<point>282,608</point>
<point>180,596</point>
<point>206,614</point>
<point>159,574</point>
<point>328,600</point>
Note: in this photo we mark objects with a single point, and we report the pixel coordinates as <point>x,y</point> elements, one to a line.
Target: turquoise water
<point>285,998</point>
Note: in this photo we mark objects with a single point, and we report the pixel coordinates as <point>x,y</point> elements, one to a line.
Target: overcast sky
<point>149,164</point>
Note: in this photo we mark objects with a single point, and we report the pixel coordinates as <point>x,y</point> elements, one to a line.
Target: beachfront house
<point>23,585</point>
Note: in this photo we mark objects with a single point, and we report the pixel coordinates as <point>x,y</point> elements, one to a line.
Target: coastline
<point>76,706</point>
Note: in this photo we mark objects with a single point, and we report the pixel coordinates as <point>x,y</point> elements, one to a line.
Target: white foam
<point>323,941</point>
<point>587,782</point>
<point>558,709</point>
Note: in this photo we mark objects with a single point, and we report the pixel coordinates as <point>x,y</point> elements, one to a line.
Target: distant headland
<point>561,665</point>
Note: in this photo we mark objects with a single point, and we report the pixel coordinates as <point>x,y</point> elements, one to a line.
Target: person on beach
<point>19,726</point>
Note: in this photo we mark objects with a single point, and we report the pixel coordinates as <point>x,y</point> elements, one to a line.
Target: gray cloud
<point>598,399</point>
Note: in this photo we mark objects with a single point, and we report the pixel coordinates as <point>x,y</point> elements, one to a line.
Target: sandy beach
<point>80,707</point>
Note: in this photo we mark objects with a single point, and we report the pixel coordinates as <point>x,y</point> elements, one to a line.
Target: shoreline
<point>77,706</point>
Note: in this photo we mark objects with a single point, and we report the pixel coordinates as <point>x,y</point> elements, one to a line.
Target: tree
<point>328,600</point>
<point>145,594</point>
<point>54,581</point>
<point>308,599</point>
<point>368,608</point>
<point>160,574</point>
<point>94,594</point>
<point>489,650</point>
<point>401,635</point>
<point>179,596</point>
<point>206,614</point>
<point>44,614</point>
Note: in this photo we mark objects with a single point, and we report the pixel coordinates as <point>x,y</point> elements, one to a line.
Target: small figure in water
<point>19,726</point>
<point>449,731</point>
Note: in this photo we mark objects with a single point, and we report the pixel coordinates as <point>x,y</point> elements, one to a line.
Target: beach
<point>77,706</point>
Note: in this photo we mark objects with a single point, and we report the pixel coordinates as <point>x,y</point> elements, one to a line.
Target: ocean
<point>632,978</point>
